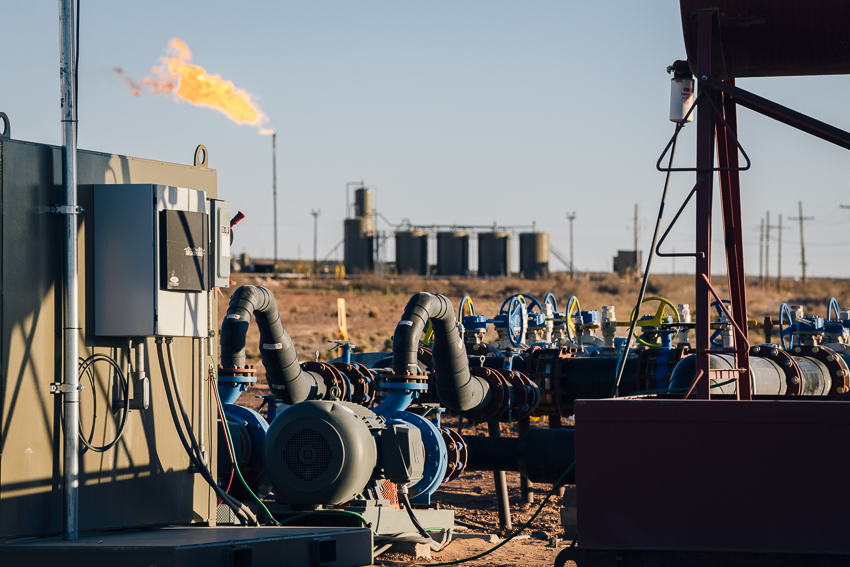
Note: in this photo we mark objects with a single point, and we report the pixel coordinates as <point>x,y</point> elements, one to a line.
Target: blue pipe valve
<point>233,381</point>
<point>475,323</point>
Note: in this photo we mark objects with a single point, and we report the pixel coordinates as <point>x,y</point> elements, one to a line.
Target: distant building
<point>627,262</point>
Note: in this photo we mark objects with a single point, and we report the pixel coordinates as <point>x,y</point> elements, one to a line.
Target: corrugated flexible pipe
<point>285,376</point>
<point>456,387</point>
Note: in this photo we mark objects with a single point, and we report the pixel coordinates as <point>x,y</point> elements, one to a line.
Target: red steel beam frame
<point>730,196</point>
<point>705,180</point>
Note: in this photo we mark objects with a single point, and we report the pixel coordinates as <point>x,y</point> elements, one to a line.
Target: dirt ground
<point>309,314</point>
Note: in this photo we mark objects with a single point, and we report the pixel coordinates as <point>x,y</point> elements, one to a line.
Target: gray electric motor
<point>326,453</point>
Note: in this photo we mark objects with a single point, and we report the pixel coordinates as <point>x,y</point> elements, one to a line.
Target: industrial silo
<point>494,254</point>
<point>534,254</point>
<point>452,253</point>
<point>358,245</point>
<point>411,252</point>
<point>363,202</point>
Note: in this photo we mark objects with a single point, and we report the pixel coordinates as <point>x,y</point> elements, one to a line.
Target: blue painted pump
<point>436,459</point>
<point>398,399</point>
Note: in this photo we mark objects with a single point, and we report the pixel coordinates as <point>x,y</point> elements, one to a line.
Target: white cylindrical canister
<point>681,100</point>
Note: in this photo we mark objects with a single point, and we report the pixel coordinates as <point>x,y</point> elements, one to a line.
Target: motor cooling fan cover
<point>319,452</point>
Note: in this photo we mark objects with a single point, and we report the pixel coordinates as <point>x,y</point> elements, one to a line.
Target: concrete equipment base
<point>192,546</point>
<point>384,520</point>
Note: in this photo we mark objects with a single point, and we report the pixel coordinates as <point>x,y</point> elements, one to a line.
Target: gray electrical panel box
<point>219,243</point>
<point>151,254</point>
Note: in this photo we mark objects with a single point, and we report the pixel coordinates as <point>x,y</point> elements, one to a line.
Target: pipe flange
<point>332,377</point>
<point>248,371</point>
<point>362,385</point>
<point>499,395</point>
<point>793,373</point>
<point>456,453</point>
<point>405,378</point>
<point>526,395</point>
<point>839,371</point>
<point>544,369</point>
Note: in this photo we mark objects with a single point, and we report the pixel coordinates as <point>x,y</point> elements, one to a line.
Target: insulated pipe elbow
<point>284,374</point>
<point>456,387</point>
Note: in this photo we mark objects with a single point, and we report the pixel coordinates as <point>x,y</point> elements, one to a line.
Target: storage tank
<point>452,253</point>
<point>411,252</point>
<point>494,254</point>
<point>534,254</point>
<point>363,202</point>
<point>358,245</point>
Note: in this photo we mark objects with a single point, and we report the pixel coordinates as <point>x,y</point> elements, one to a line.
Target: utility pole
<point>767,250</point>
<point>637,260</point>
<point>761,254</point>
<point>780,228</point>
<point>274,197</point>
<point>801,218</point>
<point>571,217</point>
<point>315,214</point>
<point>779,258</point>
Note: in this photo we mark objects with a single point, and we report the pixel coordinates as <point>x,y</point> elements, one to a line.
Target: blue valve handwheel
<point>717,332</point>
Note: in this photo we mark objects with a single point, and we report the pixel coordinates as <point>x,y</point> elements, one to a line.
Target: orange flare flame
<point>192,83</point>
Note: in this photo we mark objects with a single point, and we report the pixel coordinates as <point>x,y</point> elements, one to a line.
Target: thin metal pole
<point>71,401</point>
<point>315,214</point>
<point>503,505</point>
<point>274,196</point>
<point>526,488</point>
<point>571,217</point>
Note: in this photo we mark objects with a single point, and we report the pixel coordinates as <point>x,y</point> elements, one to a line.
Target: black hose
<point>240,510</point>
<point>456,387</point>
<point>622,364</point>
<point>285,376</point>
<point>87,366</point>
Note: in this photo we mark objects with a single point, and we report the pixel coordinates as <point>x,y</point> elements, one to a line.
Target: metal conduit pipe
<point>457,388</point>
<point>769,376</point>
<point>286,378</point>
<point>542,455</point>
<point>71,338</point>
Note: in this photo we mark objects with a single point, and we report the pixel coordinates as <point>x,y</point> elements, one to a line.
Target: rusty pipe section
<point>457,388</point>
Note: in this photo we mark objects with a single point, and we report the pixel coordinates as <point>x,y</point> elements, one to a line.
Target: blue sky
<point>467,112</point>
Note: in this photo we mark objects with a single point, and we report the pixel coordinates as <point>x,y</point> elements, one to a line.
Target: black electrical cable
<point>87,366</point>
<point>410,513</point>
<point>518,531</point>
<point>201,465</point>
<point>242,512</point>
<point>621,364</point>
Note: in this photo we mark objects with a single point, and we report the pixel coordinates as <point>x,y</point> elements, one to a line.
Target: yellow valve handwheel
<point>657,320</point>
